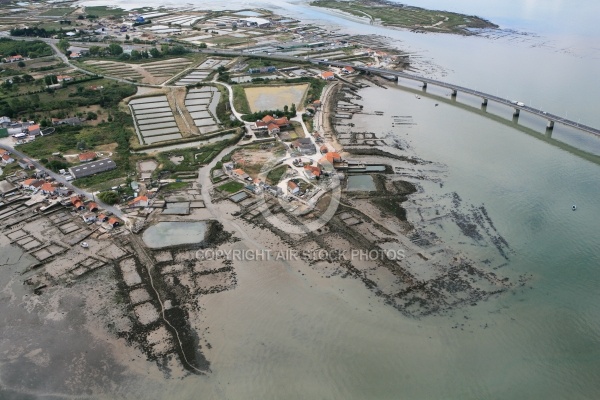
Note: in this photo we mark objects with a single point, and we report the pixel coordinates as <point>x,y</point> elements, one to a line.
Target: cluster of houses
<point>329,75</point>
<point>91,212</point>
<point>271,124</point>
<point>15,58</point>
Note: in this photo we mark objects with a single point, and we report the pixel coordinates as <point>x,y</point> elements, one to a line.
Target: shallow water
<point>166,234</point>
<point>282,334</point>
<point>360,182</point>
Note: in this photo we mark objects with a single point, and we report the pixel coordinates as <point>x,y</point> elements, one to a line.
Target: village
<point>176,132</point>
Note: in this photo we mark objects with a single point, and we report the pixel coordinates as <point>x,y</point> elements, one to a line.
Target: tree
<point>126,37</point>
<point>285,109</point>
<point>63,45</point>
<point>94,50</point>
<point>21,64</point>
<point>114,49</point>
<point>50,79</point>
<point>28,78</point>
<point>92,115</point>
<point>154,52</point>
<point>81,145</point>
<point>56,165</point>
<point>135,55</point>
<point>109,197</point>
<point>202,45</point>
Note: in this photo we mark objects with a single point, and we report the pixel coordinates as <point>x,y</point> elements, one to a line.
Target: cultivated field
<point>274,97</point>
<point>154,73</point>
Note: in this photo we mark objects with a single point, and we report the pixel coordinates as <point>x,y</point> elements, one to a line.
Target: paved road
<point>60,178</point>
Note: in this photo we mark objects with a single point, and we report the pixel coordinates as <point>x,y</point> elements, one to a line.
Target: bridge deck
<point>543,114</point>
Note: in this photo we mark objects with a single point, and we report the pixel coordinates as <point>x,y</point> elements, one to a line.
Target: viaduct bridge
<point>518,106</point>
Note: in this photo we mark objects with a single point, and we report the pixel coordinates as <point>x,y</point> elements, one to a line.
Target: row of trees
<point>289,112</point>
<point>35,48</point>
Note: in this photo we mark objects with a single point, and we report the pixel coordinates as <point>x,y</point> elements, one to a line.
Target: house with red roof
<point>140,201</point>
<point>240,174</point>
<point>33,130</point>
<point>49,188</point>
<point>114,222</point>
<point>347,70</point>
<point>11,59</point>
<point>87,156</point>
<point>327,75</point>
<point>312,172</point>
<point>292,187</point>
<point>91,206</point>
<point>7,159</point>
<point>64,78</point>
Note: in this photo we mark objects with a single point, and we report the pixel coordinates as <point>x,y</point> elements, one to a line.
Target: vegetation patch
<point>231,187</point>
<point>402,16</point>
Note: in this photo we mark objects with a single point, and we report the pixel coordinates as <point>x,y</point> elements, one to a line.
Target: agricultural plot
<point>154,119</point>
<point>202,71</point>
<point>274,97</point>
<point>116,69</point>
<point>201,104</point>
<point>153,73</point>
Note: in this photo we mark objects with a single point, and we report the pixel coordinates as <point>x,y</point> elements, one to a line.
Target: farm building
<point>95,167</point>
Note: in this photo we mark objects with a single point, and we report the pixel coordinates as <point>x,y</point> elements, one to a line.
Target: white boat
<point>85,245</point>
<point>574,207</point>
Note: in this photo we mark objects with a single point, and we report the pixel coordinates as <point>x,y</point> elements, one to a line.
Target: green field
<point>231,187</point>
<point>103,11</point>
<point>58,12</point>
<point>409,17</point>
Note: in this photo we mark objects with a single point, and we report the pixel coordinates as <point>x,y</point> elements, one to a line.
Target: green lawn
<point>57,12</point>
<point>231,187</point>
<point>104,11</point>
<point>240,102</point>
<point>175,186</point>
<point>274,175</point>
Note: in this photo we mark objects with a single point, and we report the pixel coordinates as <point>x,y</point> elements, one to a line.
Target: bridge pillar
<point>454,92</point>
<point>424,86</point>
<point>484,102</point>
<point>550,125</point>
<point>517,112</point>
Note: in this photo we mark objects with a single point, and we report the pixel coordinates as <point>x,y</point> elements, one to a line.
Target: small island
<point>419,19</point>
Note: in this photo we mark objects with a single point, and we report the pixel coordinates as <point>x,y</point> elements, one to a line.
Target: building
<point>91,206</point>
<point>95,167</point>
<point>26,163</point>
<point>327,75</point>
<point>305,146</point>
<point>33,130</point>
<point>140,201</point>
<point>329,161</point>
<point>114,222</point>
<point>77,203</point>
<point>7,159</point>
<point>312,172</point>
<point>256,22</point>
<point>271,124</point>
<point>102,218</point>
<point>87,156</point>
<point>11,59</point>
<point>293,187</point>
<point>89,217</point>
<point>240,174</point>
<point>261,70</point>
<point>32,183</point>
<point>64,78</point>
<point>49,188</point>
<point>347,70</point>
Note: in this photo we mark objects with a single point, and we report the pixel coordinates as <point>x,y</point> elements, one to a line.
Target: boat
<point>85,245</point>
<point>574,207</point>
